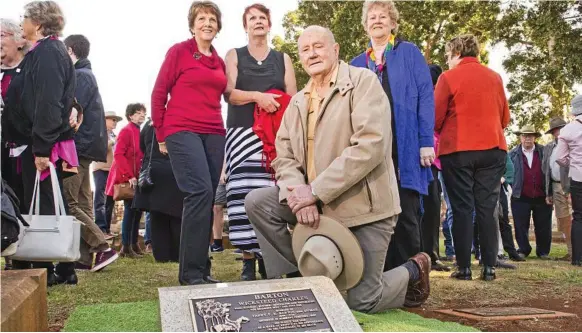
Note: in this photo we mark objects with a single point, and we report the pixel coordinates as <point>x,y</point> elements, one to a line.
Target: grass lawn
<point>136,282</point>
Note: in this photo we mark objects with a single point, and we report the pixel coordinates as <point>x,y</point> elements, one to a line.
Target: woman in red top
<point>471,114</point>
<point>190,129</point>
<point>127,158</point>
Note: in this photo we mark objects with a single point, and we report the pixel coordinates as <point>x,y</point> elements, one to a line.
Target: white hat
<point>331,250</point>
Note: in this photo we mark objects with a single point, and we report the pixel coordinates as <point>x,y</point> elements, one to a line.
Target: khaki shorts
<point>561,205</point>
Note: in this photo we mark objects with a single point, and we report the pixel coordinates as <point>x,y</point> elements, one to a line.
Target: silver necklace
<point>260,62</point>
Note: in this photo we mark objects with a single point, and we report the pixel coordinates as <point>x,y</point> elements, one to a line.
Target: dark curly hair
<point>132,109</point>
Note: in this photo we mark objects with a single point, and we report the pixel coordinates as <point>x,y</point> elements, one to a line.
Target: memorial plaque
<point>505,311</point>
<point>282,305</point>
<point>285,311</point>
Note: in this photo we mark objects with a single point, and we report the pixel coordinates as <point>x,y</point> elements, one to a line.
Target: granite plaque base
<point>286,305</point>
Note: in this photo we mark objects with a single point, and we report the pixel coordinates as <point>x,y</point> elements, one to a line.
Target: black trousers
<point>576,193</point>
<point>405,242</point>
<point>165,234</point>
<point>504,227</point>
<point>430,221</point>
<point>523,209</point>
<point>197,161</point>
<point>472,179</point>
<point>46,208</point>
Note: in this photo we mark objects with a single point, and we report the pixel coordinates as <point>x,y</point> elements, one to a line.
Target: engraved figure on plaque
<point>216,317</point>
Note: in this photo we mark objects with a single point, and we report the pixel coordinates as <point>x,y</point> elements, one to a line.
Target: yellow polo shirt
<point>313,112</point>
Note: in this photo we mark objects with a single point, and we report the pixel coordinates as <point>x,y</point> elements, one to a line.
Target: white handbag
<point>49,237</point>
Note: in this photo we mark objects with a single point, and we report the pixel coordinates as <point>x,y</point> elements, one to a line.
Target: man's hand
<point>41,163</point>
<point>74,119</point>
<point>502,180</point>
<point>549,200</point>
<point>427,156</point>
<point>301,196</point>
<point>308,216</point>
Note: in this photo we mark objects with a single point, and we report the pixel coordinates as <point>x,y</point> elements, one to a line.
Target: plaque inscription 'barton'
<point>288,310</point>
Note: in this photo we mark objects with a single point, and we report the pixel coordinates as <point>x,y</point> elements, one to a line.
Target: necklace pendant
<point>260,63</point>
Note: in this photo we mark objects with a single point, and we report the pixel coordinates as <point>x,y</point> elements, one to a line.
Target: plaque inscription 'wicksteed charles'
<point>289,310</point>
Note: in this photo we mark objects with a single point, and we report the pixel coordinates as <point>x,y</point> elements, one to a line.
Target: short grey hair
<point>13,28</point>
<point>48,15</point>
<point>387,5</point>
<point>319,28</point>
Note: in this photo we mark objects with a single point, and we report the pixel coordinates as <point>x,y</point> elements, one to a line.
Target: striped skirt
<point>244,172</point>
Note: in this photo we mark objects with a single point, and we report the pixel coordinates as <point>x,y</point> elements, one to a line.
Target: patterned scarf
<point>371,57</point>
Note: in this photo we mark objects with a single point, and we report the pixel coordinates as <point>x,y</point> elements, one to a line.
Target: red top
<point>533,178</point>
<point>127,158</point>
<point>195,83</point>
<point>471,109</point>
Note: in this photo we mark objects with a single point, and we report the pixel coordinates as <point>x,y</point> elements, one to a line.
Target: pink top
<point>64,150</point>
<point>569,150</point>
<point>437,161</point>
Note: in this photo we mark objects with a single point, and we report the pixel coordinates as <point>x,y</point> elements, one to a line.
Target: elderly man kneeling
<point>334,156</point>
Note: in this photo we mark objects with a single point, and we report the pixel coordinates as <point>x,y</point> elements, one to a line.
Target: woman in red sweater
<point>190,129</point>
<point>471,113</point>
<point>127,158</point>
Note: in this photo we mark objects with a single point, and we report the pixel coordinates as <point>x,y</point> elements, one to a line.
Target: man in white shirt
<point>528,198</point>
<point>558,184</point>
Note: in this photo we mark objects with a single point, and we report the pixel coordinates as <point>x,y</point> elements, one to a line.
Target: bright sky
<point>129,39</point>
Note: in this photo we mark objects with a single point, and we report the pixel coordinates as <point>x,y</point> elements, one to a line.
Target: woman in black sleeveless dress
<point>251,70</point>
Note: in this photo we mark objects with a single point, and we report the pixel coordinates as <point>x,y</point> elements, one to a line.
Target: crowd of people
<point>372,145</point>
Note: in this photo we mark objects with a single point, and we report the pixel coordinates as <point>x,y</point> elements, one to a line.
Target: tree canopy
<point>544,39</point>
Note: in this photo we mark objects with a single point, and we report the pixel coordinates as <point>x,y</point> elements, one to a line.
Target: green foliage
<point>545,62</point>
<point>428,24</point>
<point>544,39</point>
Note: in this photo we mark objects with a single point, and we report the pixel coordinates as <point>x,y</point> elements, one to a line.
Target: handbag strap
<point>152,148</point>
<point>57,196</point>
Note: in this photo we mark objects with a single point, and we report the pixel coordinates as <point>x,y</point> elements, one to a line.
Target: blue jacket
<point>91,139</point>
<point>413,102</point>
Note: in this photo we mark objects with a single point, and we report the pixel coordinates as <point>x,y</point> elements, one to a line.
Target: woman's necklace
<point>260,62</point>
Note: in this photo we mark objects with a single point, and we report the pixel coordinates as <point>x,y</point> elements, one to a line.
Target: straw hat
<point>331,250</point>
<point>112,115</point>
<point>528,129</point>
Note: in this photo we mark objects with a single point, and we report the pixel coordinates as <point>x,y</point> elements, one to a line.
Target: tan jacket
<point>353,147</point>
<point>106,166</point>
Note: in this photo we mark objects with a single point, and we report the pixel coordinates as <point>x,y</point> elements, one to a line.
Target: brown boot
<point>565,224</point>
<point>127,252</point>
<point>137,249</point>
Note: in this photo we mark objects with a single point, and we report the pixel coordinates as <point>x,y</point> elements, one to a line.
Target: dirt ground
<point>551,294</point>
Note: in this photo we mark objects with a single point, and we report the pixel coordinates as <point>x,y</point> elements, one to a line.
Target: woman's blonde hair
<point>464,45</point>
<point>48,15</point>
<point>386,5</point>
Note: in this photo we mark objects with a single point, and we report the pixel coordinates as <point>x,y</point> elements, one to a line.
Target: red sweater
<point>533,178</point>
<point>195,83</point>
<point>127,158</point>
<point>471,109</point>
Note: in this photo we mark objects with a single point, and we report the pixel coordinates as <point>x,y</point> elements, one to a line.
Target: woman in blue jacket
<point>406,79</point>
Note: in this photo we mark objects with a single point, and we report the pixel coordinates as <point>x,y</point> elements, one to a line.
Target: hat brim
<point>118,118</point>
<point>555,127</point>
<point>534,133</point>
<point>347,243</point>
